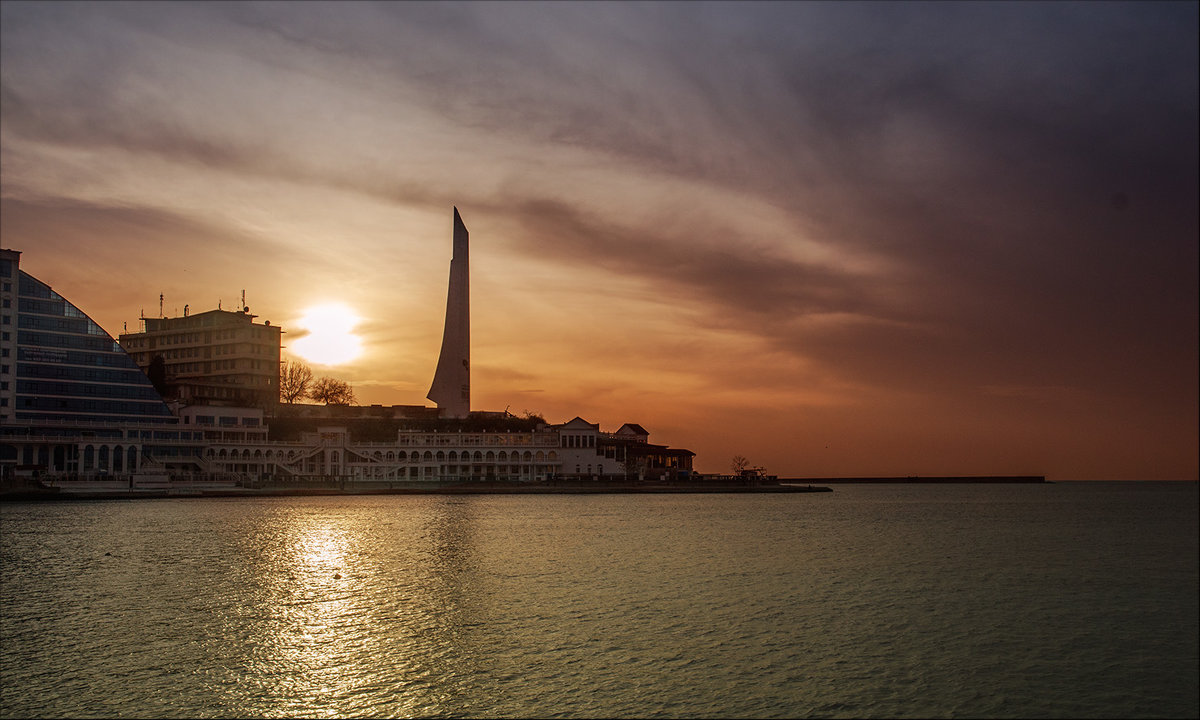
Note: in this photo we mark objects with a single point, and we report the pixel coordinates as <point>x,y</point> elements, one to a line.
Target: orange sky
<point>837,239</point>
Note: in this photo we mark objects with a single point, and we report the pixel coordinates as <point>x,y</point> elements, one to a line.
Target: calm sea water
<point>1063,600</point>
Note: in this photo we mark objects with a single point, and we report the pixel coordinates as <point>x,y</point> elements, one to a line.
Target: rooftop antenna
<point>244,300</point>
<point>160,304</point>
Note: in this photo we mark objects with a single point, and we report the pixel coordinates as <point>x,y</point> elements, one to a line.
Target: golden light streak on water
<point>1004,601</point>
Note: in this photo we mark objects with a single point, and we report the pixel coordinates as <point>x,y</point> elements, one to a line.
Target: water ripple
<point>869,602</point>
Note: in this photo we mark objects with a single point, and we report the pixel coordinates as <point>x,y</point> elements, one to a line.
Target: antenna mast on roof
<point>160,304</point>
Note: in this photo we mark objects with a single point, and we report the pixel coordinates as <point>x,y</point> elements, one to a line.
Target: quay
<point>112,491</point>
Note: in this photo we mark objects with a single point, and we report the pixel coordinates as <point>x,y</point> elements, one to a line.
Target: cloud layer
<point>921,225</point>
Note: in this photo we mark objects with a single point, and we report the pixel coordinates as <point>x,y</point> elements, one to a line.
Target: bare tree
<point>332,391</point>
<point>633,465</point>
<point>294,381</point>
<point>738,464</point>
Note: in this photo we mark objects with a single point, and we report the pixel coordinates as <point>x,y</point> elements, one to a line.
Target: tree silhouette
<point>738,464</point>
<point>294,381</point>
<point>157,372</point>
<point>332,391</point>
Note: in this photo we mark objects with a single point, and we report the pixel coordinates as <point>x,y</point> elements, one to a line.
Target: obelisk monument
<point>451,388</point>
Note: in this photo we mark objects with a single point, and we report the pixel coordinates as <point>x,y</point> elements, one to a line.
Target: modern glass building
<point>71,399</point>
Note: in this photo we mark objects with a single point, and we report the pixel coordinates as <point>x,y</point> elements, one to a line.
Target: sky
<point>835,238</point>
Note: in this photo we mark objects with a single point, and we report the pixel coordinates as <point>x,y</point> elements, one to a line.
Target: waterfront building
<point>589,454</point>
<point>330,451</point>
<point>77,407</point>
<point>72,401</point>
<point>218,357</point>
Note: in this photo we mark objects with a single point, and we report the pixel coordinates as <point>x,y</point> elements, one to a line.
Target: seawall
<point>926,479</point>
<point>482,488</point>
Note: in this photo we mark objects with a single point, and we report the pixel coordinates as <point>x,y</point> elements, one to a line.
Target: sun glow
<point>329,338</point>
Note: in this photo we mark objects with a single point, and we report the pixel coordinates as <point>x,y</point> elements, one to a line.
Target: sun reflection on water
<point>343,624</point>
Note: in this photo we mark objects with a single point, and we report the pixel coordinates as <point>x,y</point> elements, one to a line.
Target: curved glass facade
<point>69,369</point>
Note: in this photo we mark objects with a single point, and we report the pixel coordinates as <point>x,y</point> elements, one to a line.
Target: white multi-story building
<point>576,450</point>
<point>218,357</point>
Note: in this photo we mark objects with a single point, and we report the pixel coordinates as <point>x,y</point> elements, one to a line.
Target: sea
<point>1057,600</point>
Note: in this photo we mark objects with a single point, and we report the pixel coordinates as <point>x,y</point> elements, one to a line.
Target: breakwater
<point>926,479</point>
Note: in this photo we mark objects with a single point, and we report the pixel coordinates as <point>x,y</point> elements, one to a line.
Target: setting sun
<point>328,335</point>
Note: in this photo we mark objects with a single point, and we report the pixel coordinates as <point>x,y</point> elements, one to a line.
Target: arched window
<point>552,456</point>
<point>490,457</point>
<point>503,456</point>
<point>541,456</point>
<point>89,457</point>
<point>102,464</point>
<point>441,456</point>
<point>133,456</point>
<point>478,456</point>
<point>453,456</point>
<point>428,456</point>
<point>118,459</point>
<point>528,456</point>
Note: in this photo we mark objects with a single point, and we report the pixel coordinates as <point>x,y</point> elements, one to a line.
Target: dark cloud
<point>1025,173</point>
<point>736,273</point>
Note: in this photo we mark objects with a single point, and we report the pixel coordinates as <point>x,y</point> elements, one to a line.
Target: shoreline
<point>782,485</point>
<point>61,494</point>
